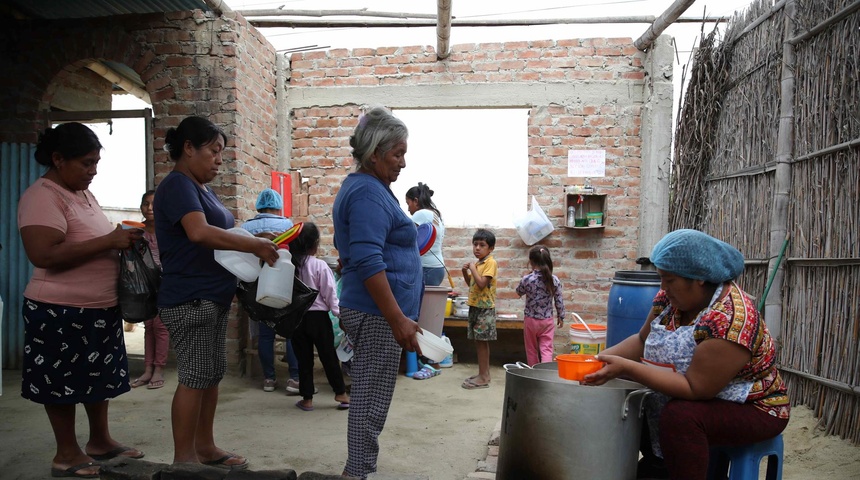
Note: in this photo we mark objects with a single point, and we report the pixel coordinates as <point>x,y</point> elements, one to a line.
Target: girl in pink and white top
<point>542,289</point>
<point>156,341</point>
<point>316,329</point>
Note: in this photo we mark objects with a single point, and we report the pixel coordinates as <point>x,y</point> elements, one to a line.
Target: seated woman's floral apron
<point>676,347</point>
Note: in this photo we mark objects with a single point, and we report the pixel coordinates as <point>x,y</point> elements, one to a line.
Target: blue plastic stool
<point>743,461</point>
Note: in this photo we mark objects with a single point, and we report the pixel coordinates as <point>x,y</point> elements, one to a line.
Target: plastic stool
<point>743,461</point>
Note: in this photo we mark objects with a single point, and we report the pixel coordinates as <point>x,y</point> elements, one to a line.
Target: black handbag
<point>139,279</point>
<point>283,320</point>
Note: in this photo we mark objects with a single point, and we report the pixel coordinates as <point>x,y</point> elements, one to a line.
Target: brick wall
<point>585,261</point>
<point>191,64</point>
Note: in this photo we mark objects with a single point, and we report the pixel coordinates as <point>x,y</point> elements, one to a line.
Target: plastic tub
<point>434,347</point>
<point>595,219</point>
<point>575,367</point>
<point>431,317</point>
<point>246,266</point>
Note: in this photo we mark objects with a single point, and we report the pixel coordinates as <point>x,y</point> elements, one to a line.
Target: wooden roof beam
<point>661,23</point>
<point>293,23</point>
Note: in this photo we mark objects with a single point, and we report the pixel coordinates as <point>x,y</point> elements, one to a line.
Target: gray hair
<point>378,130</point>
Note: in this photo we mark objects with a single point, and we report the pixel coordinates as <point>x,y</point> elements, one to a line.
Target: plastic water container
<point>344,350</point>
<point>630,299</point>
<point>275,288</point>
<point>448,362</point>
<point>246,266</point>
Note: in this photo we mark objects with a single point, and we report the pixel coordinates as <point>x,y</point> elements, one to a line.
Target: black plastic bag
<point>283,320</point>
<point>139,279</point>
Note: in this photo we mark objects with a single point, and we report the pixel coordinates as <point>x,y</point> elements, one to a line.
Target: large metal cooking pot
<point>556,429</point>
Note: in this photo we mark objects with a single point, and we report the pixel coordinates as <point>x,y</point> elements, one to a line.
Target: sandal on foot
<point>117,452</point>
<point>155,384</point>
<point>222,462</point>
<point>307,409</point>
<point>470,385</point>
<point>343,406</point>
<point>139,383</point>
<point>73,471</point>
<point>426,372</point>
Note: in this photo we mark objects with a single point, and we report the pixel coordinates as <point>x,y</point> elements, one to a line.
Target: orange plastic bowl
<point>572,366</point>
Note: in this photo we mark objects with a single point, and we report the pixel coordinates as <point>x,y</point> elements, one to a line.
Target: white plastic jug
<point>244,265</point>
<point>275,288</point>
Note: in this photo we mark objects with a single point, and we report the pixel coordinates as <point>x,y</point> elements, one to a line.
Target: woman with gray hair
<point>720,385</point>
<point>381,279</point>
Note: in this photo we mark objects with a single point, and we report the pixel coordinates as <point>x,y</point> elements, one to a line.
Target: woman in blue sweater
<point>381,279</point>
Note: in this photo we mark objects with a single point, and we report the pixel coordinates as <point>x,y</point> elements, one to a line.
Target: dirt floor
<point>434,428</point>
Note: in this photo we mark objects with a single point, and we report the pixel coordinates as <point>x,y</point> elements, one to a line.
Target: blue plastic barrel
<point>630,299</point>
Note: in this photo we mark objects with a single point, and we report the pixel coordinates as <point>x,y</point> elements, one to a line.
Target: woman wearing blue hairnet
<point>720,385</point>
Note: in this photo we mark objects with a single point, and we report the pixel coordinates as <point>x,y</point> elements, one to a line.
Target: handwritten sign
<point>586,163</point>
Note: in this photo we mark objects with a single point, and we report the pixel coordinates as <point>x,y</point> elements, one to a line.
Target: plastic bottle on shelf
<point>581,220</point>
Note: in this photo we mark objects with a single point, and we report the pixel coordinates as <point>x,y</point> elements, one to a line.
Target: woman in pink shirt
<point>74,350</point>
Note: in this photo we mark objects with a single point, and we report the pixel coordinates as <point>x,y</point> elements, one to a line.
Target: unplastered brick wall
<point>191,63</point>
<point>585,261</point>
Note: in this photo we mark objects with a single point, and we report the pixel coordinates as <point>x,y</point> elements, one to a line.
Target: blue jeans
<point>266,351</point>
<point>433,276</point>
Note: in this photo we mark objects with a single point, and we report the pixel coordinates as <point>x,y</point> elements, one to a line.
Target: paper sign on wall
<point>586,163</point>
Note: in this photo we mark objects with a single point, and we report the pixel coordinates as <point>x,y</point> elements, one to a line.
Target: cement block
<point>193,471</point>
<point>131,469</point>
<point>285,474</point>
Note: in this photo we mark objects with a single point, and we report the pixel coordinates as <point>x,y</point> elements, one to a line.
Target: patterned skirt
<point>72,355</point>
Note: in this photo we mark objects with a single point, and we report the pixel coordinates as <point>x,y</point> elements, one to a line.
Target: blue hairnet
<point>269,199</point>
<point>697,255</point>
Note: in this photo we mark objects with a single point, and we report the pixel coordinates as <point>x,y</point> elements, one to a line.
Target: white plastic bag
<point>534,225</point>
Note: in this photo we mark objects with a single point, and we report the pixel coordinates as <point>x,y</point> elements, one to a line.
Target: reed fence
<point>767,148</point>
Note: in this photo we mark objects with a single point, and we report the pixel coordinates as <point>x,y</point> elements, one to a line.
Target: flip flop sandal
<point>139,383</point>
<point>221,463</point>
<point>116,452</point>
<point>155,384</point>
<point>307,409</point>
<point>342,406</point>
<point>426,372</point>
<point>470,385</point>
<point>73,471</point>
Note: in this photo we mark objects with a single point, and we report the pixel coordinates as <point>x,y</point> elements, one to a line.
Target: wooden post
<point>782,180</point>
<point>443,29</point>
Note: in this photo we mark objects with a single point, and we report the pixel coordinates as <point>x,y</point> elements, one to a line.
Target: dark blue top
<point>372,233</point>
<point>190,271</point>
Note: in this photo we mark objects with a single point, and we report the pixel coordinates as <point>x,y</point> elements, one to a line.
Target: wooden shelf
<point>592,202</point>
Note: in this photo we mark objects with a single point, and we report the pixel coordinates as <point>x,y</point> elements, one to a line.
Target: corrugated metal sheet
<point>18,170</point>
<point>63,9</point>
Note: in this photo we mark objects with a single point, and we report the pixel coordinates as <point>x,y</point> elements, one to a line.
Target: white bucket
<point>246,266</point>
<point>585,343</point>
<point>275,288</point>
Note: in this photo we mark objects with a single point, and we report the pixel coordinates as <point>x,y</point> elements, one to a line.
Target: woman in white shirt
<point>423,210</point>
